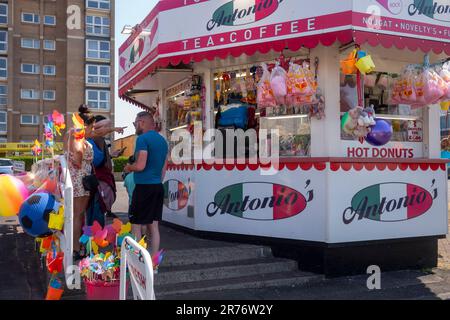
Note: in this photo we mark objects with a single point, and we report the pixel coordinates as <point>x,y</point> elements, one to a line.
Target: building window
<point>31,43</point>
<point>50,45</point>
<point>3,13</point>
<point>3,41</point>
<point>98,99</point>
<point>3,121</point>
<point>29,119</point>
<point>97,74</point>
<point>50,70</point>
<point>3,139</point>
<point>30,17</point>
<point>98,26</point>
<point>99,4</point>
<point>29,94</point>
<point>49,95</point>
<point>3,95</point>
<point>97,49</point>
<point>50,20</point>
<point>3,67</point>
<point>30,68</point>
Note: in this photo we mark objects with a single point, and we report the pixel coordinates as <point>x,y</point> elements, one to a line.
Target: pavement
<point>23,278</point>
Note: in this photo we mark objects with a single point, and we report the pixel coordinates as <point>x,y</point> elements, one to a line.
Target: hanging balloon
<point>13,193</point>
<point>34,215</point>
<point>380,134</point>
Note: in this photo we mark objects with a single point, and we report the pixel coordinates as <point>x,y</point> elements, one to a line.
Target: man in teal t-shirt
<point>148,170</point>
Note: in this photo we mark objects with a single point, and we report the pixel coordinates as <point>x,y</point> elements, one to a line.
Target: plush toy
<point>367,117</point>
<point>318,110</point>
<point>350,120</point>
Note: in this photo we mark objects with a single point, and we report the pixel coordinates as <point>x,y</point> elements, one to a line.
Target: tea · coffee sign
<point>242,12</point>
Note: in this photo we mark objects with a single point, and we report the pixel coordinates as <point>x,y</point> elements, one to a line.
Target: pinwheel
<point>58,121</point>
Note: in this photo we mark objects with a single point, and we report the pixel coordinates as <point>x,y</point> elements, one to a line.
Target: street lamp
<point>127,29</point>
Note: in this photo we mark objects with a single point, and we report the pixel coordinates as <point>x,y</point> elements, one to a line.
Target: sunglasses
<point>135,123</point>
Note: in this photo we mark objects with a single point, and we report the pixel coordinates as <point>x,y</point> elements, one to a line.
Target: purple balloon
<point>381,133</point>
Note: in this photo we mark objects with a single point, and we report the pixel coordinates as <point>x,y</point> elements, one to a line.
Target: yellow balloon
<point>12,194</point>
<point>445,105</point>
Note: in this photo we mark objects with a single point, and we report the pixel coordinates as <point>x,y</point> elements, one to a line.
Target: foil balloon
<point>380,134</point>
<point>13,193</point>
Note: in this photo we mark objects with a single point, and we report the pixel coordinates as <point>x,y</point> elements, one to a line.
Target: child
<point>128,180</point>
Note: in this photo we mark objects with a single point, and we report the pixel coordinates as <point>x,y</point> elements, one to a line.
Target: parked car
<point>6,166</point>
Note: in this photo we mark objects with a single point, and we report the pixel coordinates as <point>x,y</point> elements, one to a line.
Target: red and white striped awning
<point>185,31</point>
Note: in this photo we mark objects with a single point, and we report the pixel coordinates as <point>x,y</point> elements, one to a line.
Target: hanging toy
<point>36,150</point>
<point>58,121</point>
<point>365,63</point>
<point>380,134</point>
<point>13,192</point>
<point>348,65</point>
<point>34,215</point>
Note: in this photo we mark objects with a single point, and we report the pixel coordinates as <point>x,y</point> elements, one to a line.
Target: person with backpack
<point>102,201</point>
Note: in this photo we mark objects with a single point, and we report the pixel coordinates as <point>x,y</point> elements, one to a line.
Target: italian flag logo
<point>391,202</point>
<point>258,201</point>
<point>241,12</point>
<point>176,195</point>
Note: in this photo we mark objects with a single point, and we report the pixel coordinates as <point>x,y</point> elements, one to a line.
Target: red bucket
<point>99,290</point>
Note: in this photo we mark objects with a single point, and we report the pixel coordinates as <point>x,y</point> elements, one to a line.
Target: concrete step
<point>223,270</point>
<point>214,255</point>
<point>266,280</point>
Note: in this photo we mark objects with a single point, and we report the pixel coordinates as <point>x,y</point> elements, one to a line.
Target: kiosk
<point>335,204</point>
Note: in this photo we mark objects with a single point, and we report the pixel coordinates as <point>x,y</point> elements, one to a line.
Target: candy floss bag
<point>407,93</point>
<point>278,81</point>
<point>292,89</point>
<point>445,75</point>
<point>265,97</point>
<point>434,88</point>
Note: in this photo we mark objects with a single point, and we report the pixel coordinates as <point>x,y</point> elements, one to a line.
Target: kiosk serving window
<point>184,103</point>
<point>407,122</point>
<point>236,107</point>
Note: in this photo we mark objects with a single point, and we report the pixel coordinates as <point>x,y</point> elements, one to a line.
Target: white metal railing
<point>66,237</point>
<point>137,259</point>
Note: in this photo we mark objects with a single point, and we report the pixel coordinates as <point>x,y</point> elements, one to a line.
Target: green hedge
<point>27,159</point>
<point>120,163</point>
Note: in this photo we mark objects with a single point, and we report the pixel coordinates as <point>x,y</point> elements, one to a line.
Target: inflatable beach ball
<point>13,193</point>
<point>34,214</point>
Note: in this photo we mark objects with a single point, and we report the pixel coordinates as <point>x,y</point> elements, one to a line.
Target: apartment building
<point>54,54</point>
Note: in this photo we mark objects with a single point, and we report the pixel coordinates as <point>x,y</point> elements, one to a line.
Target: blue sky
<point>131,13</point>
